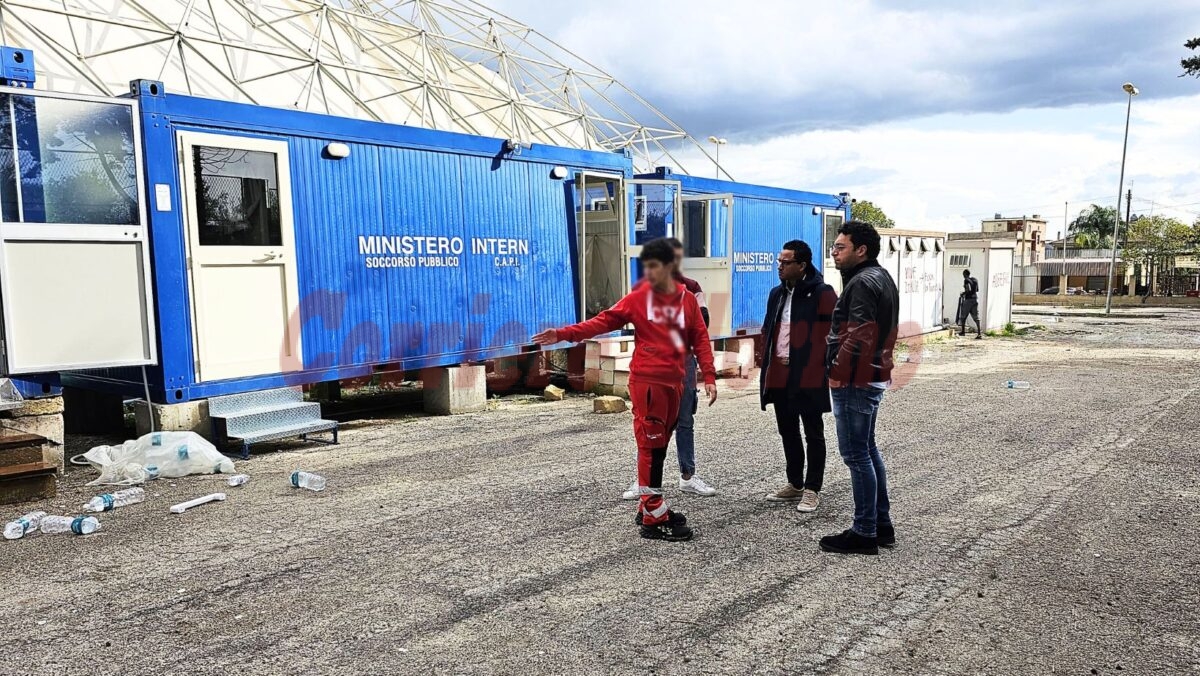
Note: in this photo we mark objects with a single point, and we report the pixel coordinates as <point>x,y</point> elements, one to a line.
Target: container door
<point>652,208</point>
<point>602,272</point>
<point>74,257</point>
<point>707,234</point>
<point>241,255</point>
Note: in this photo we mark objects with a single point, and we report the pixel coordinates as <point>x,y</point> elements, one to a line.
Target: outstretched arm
<point>606,322</point>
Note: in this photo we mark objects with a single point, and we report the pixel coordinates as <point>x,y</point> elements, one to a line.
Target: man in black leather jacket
<point>859,357</point>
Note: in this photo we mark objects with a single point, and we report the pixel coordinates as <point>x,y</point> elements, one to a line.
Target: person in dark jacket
<point>793,371</point>
<point>859,357</point>
<point>968,304</point>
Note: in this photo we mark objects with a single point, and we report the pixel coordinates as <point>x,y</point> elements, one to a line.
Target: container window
<point>9,205</point>
<point>960,260</point>
<point>938,246</point>
<point>76,161</point>
<point>833,223</point>
<point>908,245</point>
<point>893,245</point>
<point>237,203</point>
<point>924,245</point>
<point>695,228</point>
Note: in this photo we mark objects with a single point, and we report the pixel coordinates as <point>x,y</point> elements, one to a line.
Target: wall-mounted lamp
<point>559,173</point>
<point>337,150</point>
<point>816,211</point>
<point>513,144</point>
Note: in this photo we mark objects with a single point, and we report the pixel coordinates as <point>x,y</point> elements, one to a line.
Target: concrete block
<point>616,347</point>
<point>592,361</point>
<point>553,393</point>
<point>49,427</point>
<point>607,377</point>
<point>47,406</point>
<point>744,349</point>
<point>455,390</point>
<point>189,416</point>
<point>609,405</point>
<point>615,363</point>
<point>591,377</point>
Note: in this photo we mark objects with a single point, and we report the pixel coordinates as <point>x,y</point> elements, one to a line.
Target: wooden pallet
<point>24,476</point>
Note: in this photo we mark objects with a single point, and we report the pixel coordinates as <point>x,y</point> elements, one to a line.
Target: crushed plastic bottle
<point>238,479</point>
<point>109,501</point>
<point>79,525</point>
<point>312,482</point>
<point>1017,385</point>
<point>28,523</point>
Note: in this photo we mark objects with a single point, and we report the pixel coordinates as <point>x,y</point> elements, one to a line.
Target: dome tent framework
<point>451,65</point>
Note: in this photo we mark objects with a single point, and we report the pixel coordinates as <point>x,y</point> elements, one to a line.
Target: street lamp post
<point>718,142</point>
<point>1112,264</point>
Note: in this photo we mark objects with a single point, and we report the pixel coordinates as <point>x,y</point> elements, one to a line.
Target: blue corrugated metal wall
<point>761,227</point>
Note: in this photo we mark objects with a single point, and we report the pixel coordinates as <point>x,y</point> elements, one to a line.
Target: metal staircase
<point>269,415</point>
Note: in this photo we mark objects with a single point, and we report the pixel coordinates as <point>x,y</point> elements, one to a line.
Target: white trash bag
<point>167,454</point>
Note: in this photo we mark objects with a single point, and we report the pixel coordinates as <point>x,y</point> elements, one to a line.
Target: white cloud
<point>948,172</point>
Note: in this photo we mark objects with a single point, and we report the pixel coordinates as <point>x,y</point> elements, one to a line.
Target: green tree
<point>867,212</point>
<point>1155,241</point>
<point>1191,64</point>
<point>1092,228</point>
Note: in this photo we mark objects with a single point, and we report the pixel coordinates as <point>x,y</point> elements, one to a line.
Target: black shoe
<point>961,334</point>
<point>978,337</point>
<point>849,542</point>
<point>885,534</point>
<point>667,531</point>
<point>673,518</point>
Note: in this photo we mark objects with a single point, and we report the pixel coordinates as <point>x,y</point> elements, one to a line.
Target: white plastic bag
<point>168,454</point>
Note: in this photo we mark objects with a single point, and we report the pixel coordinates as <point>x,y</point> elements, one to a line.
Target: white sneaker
<point>696,485</point>
<point>633,493</point>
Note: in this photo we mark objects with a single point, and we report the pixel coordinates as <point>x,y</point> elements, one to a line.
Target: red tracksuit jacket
<point>666,325</point>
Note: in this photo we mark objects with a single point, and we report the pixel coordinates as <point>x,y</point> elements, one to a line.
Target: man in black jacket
<point>859,357</point>
<point>793,371</point>
<point>968,304</point>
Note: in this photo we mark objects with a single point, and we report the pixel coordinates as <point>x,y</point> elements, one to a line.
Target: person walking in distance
<point>793,377</point>
<point>859,358</point>
<point>968,304</point>
<point>667,324</point>
<point>685,435</point>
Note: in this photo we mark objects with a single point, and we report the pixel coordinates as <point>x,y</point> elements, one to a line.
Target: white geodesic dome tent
<point>452,65</point>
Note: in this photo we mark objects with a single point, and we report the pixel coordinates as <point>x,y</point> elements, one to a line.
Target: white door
<point>707,230</point>
<point>602,273</point>
<point>241,255</point>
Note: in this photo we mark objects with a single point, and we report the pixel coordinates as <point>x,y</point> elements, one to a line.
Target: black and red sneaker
<point>674,518</point>
<point>667,531</point>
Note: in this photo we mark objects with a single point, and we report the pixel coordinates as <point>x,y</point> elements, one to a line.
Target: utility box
<point>991,263</point>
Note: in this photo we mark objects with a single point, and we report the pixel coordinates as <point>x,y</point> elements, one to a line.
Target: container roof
<point>451,65</point>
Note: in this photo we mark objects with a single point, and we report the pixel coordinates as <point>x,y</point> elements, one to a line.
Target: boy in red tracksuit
<point>667,322</point>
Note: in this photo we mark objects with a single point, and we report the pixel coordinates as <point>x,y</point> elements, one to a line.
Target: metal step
<point>234,404</point>
<point>243,424</point>
<point>269,415</point>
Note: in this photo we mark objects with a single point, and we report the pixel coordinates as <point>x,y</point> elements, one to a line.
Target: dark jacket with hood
<point>865,323</point>
<point>812,308</point>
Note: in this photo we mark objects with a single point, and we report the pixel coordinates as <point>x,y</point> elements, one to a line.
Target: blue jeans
<point>854,411</point>
<point>685,438</point>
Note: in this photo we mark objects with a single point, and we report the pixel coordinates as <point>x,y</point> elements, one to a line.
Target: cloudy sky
<point>941,112</point>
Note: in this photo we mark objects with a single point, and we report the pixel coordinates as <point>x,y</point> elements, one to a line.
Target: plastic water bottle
<point>79,525</point>
<point>1017,385</point>
<point>108,501</point>
<point>238,479</point>
<point>312,482</point>
<point>15,529</point>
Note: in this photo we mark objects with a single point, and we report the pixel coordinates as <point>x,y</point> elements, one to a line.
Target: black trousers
<point>793,417</point>
<point>970,307</point>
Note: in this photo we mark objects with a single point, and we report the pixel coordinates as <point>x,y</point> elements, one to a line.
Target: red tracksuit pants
<point>655,413</point>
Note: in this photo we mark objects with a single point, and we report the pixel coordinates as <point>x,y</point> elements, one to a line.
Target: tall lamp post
<point>718,142</point>
<point>1112,264</point>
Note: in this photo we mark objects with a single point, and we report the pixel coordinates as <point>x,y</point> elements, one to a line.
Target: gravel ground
<point>1051,530</point>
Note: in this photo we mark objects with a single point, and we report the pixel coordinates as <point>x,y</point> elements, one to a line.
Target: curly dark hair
<point>658,250</point>
<point>862,234</point>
